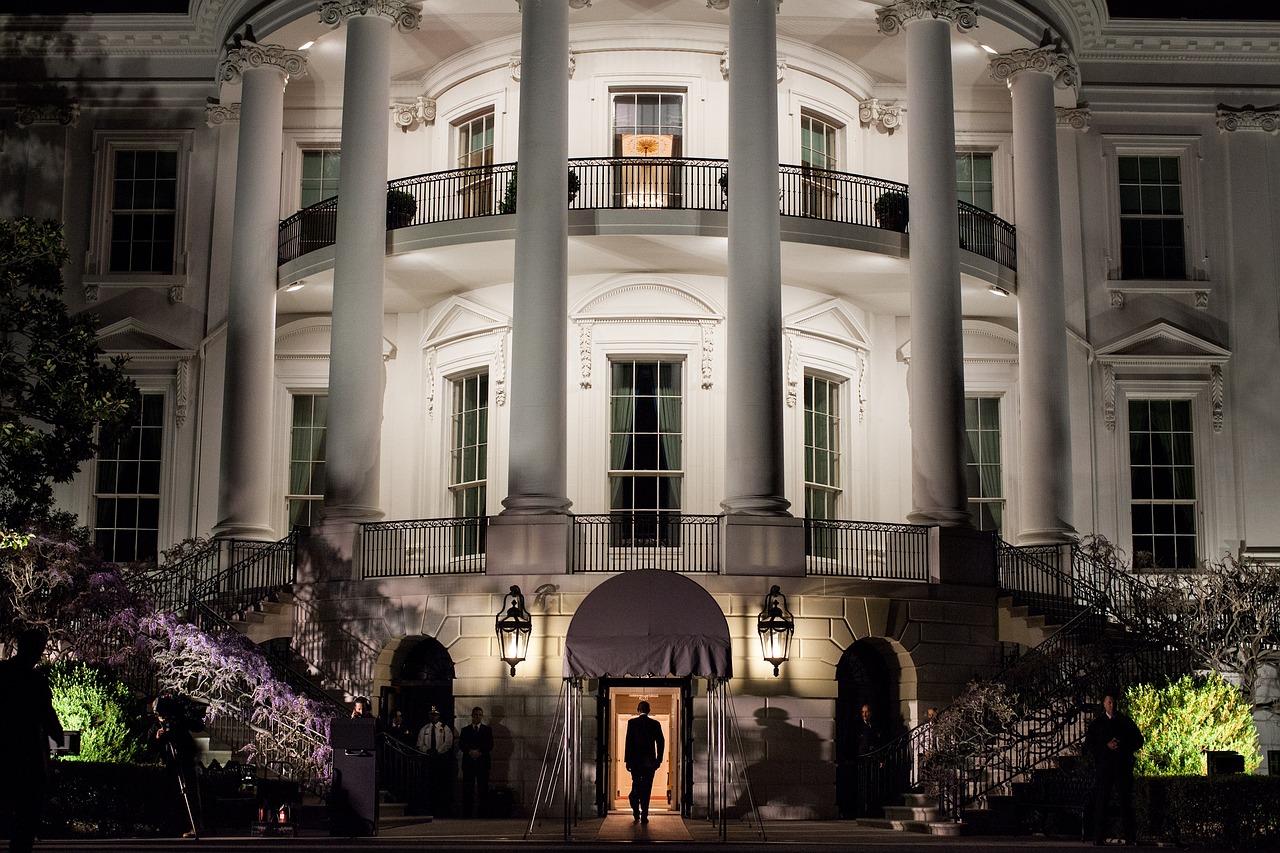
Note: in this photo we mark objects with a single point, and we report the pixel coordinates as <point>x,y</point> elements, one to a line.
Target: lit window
<point>1162,482</point>
<point>475,152</point>
<point>144,201</point>
<point>306,458</point>
<point>821,448</point>
<point>817,155</point>
<point>648,126</point>
<point>127,488</point>
<point>974,181</point>
<point>1152,233</point>
<point>646,452</point>
<point>469,458</point>
<point>320,175</point>
<point>983,471</point>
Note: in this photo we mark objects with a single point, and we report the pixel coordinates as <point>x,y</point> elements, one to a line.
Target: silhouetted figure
<point>435,741</point>
<point>1113,740</point>
<point>643,756</point>
<point>175,718</point>
<point>399,729</point>
<point>475,742</point>
<point>869,737</point>
<point>27,721</point>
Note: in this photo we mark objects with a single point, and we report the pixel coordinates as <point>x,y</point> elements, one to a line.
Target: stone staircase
<point>918,813</point>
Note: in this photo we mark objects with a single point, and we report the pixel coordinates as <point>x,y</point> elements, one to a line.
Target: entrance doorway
<point>863,677</point>
<point>671,703</point>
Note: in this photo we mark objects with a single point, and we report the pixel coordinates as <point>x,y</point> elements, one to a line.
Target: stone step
<point>911,813</point>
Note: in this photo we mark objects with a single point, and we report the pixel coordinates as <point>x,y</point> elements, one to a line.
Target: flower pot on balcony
<point>401,207</point>
<point>508,203</point>
<point>892,211</point>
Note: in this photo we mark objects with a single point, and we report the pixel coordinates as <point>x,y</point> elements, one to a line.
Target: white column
<point>754,479</point>
<point>244,485</point>
<point>1045,437</point>
<point>537,476</point>
<point>937,353</point>
<point>354,430</point>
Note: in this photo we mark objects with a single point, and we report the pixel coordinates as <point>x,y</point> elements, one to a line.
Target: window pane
<point>1151,224</point>
<point>1162,483</point>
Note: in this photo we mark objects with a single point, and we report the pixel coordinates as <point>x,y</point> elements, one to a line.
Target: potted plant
<point>401,206</point>
<point>508,203</point>
<point>891,210</point>
<point>723,181</point>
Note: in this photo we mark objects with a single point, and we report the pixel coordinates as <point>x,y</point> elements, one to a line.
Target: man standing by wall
<point>1113,739</point>
<point>435,740</point>
<point>27,721</point>
<point>475,742</point>
<point>644,752</point>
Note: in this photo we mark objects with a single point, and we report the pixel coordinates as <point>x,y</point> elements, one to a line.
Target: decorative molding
<point>405,15</point>
<point>584,352</point>
<point>890,19</point>
<point>246,55</point>
<point>1197,292</point>
<point>862,386</point>
<point>429,367</point>
<point>1217,390</point>
<point>724,63</point>
<point>1109,397</point>
<point>513,65</point>
<point>182,398</point>
<point>1049,58</point>
<point>500,369</point>
<point>573,63</point>
<point>176,292</point>
<point>1077,118</point>
<point>216,115</point>
<point>885,115</point>
<point>724,56</point>
<point>793,369</point>
<point>708,329</point>
<point>1201,299</point>
<point>1117,299</point>
<point>721,5</point>
<point>573,4</point>
<point>66,114</point>
<point>1249,117</point>
<point>91,291</point>
<point>411,115</point>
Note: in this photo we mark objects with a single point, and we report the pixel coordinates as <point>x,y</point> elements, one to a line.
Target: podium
<point>354,797</point>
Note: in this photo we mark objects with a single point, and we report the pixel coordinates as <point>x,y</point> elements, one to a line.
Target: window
<point>1162,477</point>
<point>1152,234</point>
<point>144,202</point>
<point>645,452</point>
<point>982,462</point>
<point>817,152</point>
<point>320,175</point>
<point>306,458</point>
<point>469,459</point>
<point>475,152</point>
<point>648,125</point>
<point>821,447</point>
<point>975,183</point>
<point>127,488</point>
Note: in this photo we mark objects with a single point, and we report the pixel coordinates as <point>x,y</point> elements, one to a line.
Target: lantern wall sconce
<point>776,626</point>
<point>513,625</point>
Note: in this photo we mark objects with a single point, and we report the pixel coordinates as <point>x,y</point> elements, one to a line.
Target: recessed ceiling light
<point>308,44</point>
<point>988,48</point>
<point>997,290</point>
<point>295,287</point>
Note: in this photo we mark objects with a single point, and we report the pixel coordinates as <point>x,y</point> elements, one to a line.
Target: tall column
<point>1045,437</point>
<point>354,431</point>
<point>754,472</point>
<point>937,352</point>
<point>244,485</point>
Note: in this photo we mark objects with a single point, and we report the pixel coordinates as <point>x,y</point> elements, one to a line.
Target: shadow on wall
<point>791,781</point>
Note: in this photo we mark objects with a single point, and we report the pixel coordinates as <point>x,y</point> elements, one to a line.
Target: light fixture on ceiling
<point>997,290</point>
<point>307,45</point>
<point>296,286</point>
<point>989,49</point>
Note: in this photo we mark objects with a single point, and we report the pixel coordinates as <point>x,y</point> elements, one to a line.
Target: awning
<point>648,623</point>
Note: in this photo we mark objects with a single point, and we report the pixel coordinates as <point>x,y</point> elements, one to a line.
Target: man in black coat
<point>475,742</point>
<point>1113,739</point>
<point>645,750</point>
<point>27,721</point>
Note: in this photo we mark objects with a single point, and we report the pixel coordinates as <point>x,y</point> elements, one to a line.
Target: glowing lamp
<point>513,625</point>
<point>776,626</point>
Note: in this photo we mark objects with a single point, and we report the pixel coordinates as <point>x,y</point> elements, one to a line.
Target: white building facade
<point>721,356</point>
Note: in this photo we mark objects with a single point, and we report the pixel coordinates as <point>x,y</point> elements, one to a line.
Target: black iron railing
<point>430,546</point>
<point>402,772</point>
<point>639,183</point>
<point>258,570</point>
<point>865,549</point>
<point>625,541</point>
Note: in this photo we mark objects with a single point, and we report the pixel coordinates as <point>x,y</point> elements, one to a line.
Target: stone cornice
<point>1249,117</point>
<point>405,15</point>
<point>249,55</point>
<point>1051,59</point>
<point>890,19</point>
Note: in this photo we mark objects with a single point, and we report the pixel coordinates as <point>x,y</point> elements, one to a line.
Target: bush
<point>95,702</point>
<point>1234,810</point>
<point>1185,718</point>
<point>95,800</point>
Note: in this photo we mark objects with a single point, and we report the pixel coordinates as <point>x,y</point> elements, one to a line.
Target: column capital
<point>216,115</point>
<point>1249,117</point>
<point>406,16</point>
<point>417,113</point>
<point>246,55</point>
<point>1052,59</point>
<point>1077,117</point>
<point>891,19</point>
<point>721,5</point>
<point>886,115</point>
<point>573,4</point>
<point>65,114</point>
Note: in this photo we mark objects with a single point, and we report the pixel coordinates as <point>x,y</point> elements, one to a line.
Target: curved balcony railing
<point>639,183</point>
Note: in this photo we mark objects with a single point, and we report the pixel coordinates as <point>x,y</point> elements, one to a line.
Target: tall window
<point>475,141</point>
<point>982,462</point>
<point>645,451</point>
<point>1152,236</point>
<point>1162,477</point>
<point>648,125</point>
<point>320,175</point>
<point>817,151</point>
<point>821,447</point>
<point>127,488</point>
<point>144,202</point>
<point>974,182</point>
<point>469,459</point>
<point>306,458</point>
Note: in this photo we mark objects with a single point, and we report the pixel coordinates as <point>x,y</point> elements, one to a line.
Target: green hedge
<point>1234,810</point>
<point>102,800</point>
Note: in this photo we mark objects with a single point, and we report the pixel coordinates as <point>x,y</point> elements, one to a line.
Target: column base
<point>757,505</point>
<point>762,545</point>
<point>940,517</point>
<point>535,505</point>
<point>528,544</point>
<point>1065,535</point>
<point>351,513</point>
<point>228,529</point>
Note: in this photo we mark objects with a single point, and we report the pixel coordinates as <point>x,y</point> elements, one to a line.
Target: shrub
<point>92,800</point>
<point>1183,719</point>
<point>95,702</point>
<point>1234,810</point>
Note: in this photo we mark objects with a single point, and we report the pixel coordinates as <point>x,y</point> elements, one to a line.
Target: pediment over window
<point>984,342</point>
<point>457,318</point>
<point>312,338</point>
<point>645,298</point>
<point>136,338</point>
<point>834,320</point>
<point>1162,344</point>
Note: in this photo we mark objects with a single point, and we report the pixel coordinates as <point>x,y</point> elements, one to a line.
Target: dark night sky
<point>1227,10</point>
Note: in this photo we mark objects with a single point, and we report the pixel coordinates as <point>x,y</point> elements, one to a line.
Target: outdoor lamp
<point>776,625</point>
<point>513,625</point>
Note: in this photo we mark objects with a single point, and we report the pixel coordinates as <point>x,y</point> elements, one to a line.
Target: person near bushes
<point>27,721</point>
<point>175,717</point>
<point>1113,740</point>
<point>475,742</point>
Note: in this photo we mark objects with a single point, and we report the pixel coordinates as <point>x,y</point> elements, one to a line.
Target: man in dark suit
<point>476,743</point>
<point>1113,740</point>
<point>645,750</point>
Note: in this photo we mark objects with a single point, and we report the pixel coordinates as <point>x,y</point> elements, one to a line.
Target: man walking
<point>1112,740</point>
<point>476,743</point>
<point>645,750</point>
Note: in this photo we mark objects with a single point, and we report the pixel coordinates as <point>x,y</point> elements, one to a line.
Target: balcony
<point>645,183</point>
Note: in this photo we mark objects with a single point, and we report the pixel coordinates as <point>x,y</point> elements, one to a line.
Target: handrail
<point>428,546</point>
<point>626,541</point>
<point>639,183</point>
<point>264,569</point>
<point>868,550</point>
